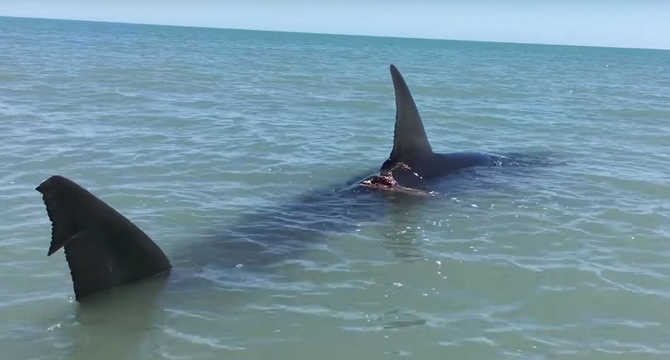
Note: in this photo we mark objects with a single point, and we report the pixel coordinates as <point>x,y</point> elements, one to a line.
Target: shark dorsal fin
<point>409,138</point>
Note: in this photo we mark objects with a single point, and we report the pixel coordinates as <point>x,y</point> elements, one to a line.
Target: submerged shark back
<point>103,248</point>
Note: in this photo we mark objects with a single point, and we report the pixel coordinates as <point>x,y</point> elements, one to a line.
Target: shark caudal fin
<point>409,138</point>
<point>103,248</point>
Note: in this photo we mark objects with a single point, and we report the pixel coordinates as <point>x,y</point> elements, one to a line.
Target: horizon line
<point>341,34</point>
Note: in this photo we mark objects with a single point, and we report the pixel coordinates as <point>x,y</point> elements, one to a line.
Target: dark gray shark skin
<point>411,146</point>
<point>103,249</point>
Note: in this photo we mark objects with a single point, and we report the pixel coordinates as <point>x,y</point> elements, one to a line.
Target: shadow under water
<point>284,231</point>
<point>277,233</point>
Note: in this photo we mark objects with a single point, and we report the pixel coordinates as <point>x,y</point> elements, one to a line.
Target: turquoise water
<point>215,140</point>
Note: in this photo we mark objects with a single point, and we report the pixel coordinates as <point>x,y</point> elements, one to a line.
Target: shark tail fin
<point>103,248</point>
<point>409,138</point>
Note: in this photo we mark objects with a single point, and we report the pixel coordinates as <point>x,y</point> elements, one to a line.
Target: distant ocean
<point>206,138</point>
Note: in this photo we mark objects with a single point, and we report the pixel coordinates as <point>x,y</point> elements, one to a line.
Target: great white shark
<point>105,250</point>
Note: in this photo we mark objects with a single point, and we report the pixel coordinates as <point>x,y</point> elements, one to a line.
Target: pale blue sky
<point>640,24</point>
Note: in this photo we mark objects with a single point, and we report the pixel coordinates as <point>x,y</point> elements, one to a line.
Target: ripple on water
<point>210,139</point>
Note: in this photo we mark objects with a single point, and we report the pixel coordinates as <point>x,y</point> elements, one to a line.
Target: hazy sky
<point>631,23</point>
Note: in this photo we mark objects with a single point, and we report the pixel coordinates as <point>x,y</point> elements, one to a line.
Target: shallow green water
<point>209,139</point>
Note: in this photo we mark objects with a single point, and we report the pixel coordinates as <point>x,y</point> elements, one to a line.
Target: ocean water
<point>225,145</point>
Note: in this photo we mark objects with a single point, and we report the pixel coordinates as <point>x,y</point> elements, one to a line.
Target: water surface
<point>212,139</point>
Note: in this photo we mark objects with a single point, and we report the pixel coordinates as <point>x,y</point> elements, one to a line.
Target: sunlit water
<point>226,148</point>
